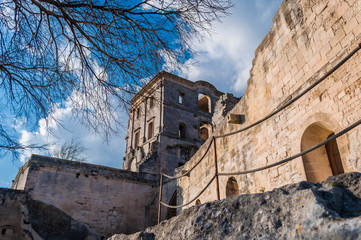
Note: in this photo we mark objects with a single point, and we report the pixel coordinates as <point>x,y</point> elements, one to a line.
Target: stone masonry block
<point>339,35</point>
<point>349,26</point>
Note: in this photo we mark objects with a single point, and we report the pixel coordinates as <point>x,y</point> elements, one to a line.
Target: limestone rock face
<point>327,210</point>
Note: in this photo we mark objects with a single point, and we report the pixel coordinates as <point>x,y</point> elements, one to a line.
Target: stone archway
<point>324,161</point>
<point>232,187</point>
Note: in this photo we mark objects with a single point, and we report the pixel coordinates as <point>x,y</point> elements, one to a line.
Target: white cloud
<point>97,151</point>
<point>225,58</point>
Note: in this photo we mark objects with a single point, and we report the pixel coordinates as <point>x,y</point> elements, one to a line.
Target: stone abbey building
<point>170,118</point>
<point>176,124</point>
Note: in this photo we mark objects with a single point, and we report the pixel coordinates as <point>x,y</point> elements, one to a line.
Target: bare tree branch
<point>91,54</point>
<point>72,150</point>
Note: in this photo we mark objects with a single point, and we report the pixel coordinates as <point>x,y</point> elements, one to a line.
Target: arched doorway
<point>232,187</point>
<point>172,212</point>
<point>205,130</point>
<point>324,161</point>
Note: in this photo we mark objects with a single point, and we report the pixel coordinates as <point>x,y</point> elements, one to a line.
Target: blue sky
<point>224,59</point>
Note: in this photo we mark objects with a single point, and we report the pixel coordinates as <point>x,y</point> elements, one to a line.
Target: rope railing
<point>253,125</point>
<point>271,165</point>
<point>193,199</point>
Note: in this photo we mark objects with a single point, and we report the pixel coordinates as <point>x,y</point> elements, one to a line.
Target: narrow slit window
<point>182,130</point>
<point>136,143</point>
<point>181,98</point>
<point>151,102</point>
<point>150,130</point>
<point>138,113</point>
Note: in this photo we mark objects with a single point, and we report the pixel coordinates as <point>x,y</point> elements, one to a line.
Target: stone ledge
<point>91,169</point>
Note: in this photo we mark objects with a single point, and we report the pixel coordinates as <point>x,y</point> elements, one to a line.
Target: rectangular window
<point>151,102</point>
<point>138,113</point>
<point>181,98</point>
<point>136,140</point>
<point>150,130</point>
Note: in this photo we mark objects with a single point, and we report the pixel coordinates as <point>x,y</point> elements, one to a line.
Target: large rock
<point>327,210</point>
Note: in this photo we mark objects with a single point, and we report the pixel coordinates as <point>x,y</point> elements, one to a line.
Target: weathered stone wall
<point>306,40</point>
<point>109,200</point>
<point>223,106</point>
<point>141,114</point>
<point>11,202</point>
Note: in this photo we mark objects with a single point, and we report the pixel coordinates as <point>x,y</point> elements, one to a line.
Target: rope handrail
<point>298,154</point>
<point>193,199</point>
<point>271,165</point>
<point>195,165</point>
<point>297,97</point>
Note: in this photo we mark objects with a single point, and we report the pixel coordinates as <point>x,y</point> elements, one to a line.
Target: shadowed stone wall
<point>27,219</point>
<point>109,200</point>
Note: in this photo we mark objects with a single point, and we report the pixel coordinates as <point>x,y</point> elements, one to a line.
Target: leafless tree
<point>72,150</point>
<point>90,54</point>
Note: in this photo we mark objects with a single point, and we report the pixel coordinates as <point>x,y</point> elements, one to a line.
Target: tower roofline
<point>162,74</point>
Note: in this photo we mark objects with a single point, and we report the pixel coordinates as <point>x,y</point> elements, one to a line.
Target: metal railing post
<point>216,166</point>
<point>160,198</point>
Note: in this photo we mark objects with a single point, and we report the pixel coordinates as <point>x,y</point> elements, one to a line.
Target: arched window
<point>232,187</point>
<point>172,212</point>
<point>198,202</point>
<point>324,161</point>
<point>204,103</point>
<point>182,131</point>
<point>204,130</point>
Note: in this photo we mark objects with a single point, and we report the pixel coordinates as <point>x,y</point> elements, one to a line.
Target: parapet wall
<point>307,39</point>
<point>109,200</point>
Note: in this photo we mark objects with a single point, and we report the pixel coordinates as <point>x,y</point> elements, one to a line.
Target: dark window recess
<point>136,143</point>
<point>138,113</point>
<point>150,130</point>
<point>151,102</point>
<point>182,130</point>
<point>3,231</point>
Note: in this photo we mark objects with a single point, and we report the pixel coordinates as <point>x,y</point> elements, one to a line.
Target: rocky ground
<point>327,210</point>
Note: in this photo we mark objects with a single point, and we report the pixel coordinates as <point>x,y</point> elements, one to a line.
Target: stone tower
<point>170,118</point>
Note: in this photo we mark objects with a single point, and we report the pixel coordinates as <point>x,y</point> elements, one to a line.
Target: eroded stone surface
<point>304,210</point>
